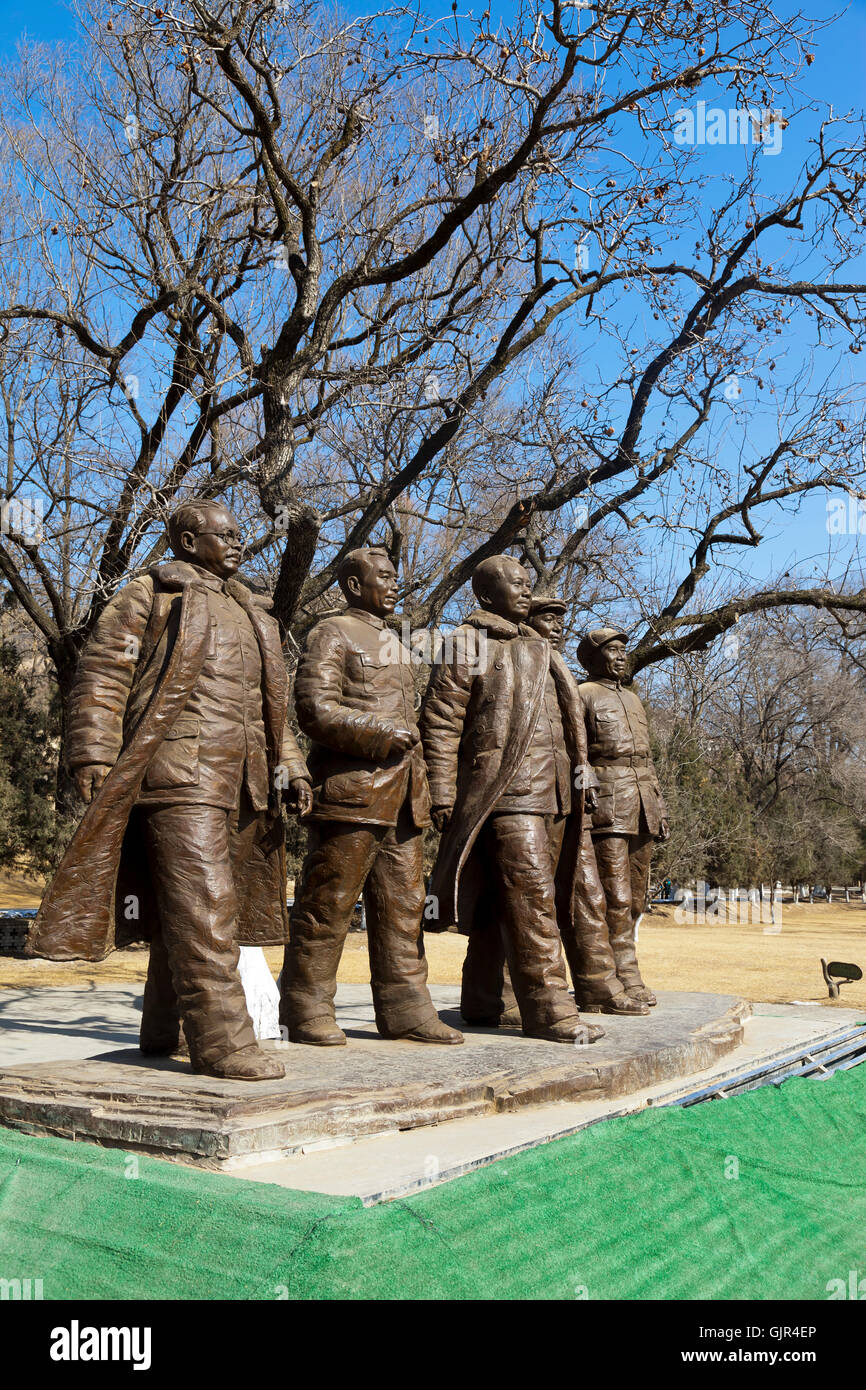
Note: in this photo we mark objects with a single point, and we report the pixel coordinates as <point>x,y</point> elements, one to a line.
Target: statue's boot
<point>627,969</point>
<point>433,1031</point>
<point>567,1030</point>
<point>624,1003</point>
<point>247,1064</point>
<point>318,1032</point>
<point>165,1044</point>
<point>642,995</point>
<point>510,1018</point>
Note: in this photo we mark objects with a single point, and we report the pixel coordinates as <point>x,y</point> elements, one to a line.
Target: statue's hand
<point>403,739</point>
<point>440,816</point>
<point>590,799</point>
<point>298,796</point>
<point>664,830</point>
<point>89,779</point>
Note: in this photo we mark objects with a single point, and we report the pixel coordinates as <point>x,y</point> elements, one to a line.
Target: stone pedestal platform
<point>334,1096</point>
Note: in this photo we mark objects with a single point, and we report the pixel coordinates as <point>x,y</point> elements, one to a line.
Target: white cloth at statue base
<point>263,997</point>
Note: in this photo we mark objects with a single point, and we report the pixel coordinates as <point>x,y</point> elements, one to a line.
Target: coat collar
<point>245,596</point>
<point>502,629</point>
<point>177,574</point>
<point>372,618</point>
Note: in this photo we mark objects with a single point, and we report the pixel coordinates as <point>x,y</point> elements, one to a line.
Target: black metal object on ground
<point>839,972</point>
<point>14,928</point>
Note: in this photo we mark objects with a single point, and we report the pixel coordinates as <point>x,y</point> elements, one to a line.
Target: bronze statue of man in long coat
<point>178,740</point>
<point>502,729</point>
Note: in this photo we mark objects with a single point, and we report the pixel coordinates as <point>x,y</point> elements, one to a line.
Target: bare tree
<point>420,280</point>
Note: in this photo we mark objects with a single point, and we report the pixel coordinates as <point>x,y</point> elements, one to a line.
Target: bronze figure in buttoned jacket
<point>630,812</point>
<point>355,698</point>
<point>502,730</point>
<point>178,740</point>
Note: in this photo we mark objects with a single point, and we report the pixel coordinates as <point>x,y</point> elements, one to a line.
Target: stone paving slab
<point>340,1095</point>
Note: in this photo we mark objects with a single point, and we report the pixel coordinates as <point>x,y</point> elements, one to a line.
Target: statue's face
<point>217,547</point>
<point>612,660</point>
<point>548,625</point>
<point>375,588</point>
<point>509,591</point>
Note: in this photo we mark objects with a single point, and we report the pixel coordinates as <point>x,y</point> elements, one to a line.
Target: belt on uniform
<point>628,760</point>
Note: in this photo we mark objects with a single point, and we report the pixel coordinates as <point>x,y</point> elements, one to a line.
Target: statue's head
<point>547,616</point>
<point>502,586</point>
<point>207,534</point>
<point>602,651</point>
<point>368,580</point>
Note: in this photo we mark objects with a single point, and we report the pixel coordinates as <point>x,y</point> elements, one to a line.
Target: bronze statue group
<point>543,791</point>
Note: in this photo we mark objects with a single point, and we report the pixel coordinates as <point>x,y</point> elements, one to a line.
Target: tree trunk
<point>302,526</point>
<point>68,806</point>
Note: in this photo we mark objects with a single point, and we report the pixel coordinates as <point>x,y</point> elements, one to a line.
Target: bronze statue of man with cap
<point>628,816</point>
<point>355,698</point>
<point>501,723</point>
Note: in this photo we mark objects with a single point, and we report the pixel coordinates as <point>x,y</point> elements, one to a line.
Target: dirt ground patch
<point>726,958</point>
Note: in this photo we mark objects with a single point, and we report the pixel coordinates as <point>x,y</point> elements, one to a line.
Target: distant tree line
<point>761,747</point>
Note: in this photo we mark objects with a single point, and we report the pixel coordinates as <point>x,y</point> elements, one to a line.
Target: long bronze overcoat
<point>154,636</point>
<point>478,715</point>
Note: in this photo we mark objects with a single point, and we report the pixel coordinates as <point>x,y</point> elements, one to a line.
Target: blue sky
<point>796,541</point>
<point>47,20</point>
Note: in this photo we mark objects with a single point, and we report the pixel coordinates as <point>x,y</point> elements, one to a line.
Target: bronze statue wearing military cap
<point>629,815</point>
<point>592,643</point>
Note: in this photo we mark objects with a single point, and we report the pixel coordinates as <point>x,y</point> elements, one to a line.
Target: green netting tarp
<point>761,1196</point>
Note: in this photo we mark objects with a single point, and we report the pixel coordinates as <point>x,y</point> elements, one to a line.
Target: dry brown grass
<point>17,891</point>
<point>755,963</point>
<point>723,959</point>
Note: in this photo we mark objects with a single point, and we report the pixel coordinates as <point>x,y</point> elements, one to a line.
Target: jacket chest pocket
<point>607,728</point>
<point>175,762</point>
<point>639,721</point>
<point>411,696</point>
<point>366,669</point>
